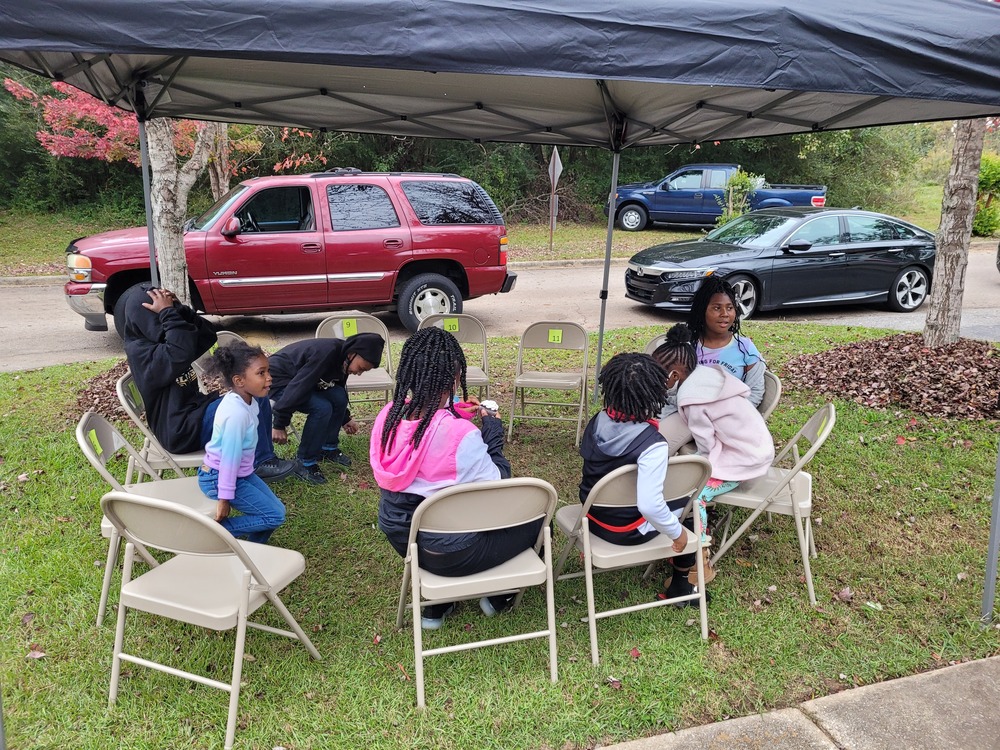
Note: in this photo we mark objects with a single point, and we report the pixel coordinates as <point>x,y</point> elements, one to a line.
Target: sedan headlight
<point>670,274</point>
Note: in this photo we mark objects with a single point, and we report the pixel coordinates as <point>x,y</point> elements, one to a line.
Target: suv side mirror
<point>798,246</point>
<point>232,228</point>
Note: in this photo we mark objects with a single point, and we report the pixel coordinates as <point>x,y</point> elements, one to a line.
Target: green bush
<point>987,220</point>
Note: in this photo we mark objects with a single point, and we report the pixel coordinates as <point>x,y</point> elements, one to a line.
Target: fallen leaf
<point>845,594</point>
<point>249,657</point>
<point>22,477</point>
<point>377,639</point>
<point>962,576</point>
<point>36,654</point>
<point>772,589</point>
<point>874,605</point>
<point>63,519</point>
<point>634,653</point>
<point>27,617</point>
<point>900,440</point>
<point>405,675</point>
<point>615,683</point>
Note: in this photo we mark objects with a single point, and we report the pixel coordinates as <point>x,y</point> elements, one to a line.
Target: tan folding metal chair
<point>655,343</point>
<point>213,581</point>
<point>551,335</point>
<point>469,331</point>
<point>347,323</point>
<point>686,476</point>
<point>772,394</point>
<point>155,454</point>
<point>785,491</point>
<point>223,338</point>
<point>100,442</point>
<point>474,507</point>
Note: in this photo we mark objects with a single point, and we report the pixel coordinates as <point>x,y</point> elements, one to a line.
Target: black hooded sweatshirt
<point>160,349</point>
<point>299,368</point>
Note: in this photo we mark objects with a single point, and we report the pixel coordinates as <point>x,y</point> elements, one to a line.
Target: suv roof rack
<point>353,171</point>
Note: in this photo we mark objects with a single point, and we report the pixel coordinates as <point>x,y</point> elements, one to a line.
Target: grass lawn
<point>902,525</point>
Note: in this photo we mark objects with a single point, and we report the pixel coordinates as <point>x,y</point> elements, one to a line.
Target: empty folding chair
<point>476,507</point>
<point>784,491</point>
<point>100,442</point>
<point>551,335</point>
<point>686,476</point>
<point>344,324</point>
<point>155,454</point>
<point>470,332</point>
<point>213,581</point>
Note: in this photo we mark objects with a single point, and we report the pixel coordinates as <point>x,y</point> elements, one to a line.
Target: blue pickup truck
<point>694,195</point>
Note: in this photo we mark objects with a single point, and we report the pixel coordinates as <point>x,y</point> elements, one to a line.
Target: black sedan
<point>783,258</point>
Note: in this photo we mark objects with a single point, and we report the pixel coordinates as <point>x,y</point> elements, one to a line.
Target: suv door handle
<point>699,195</point>
<point>311,247</point>
<point>392,243</point>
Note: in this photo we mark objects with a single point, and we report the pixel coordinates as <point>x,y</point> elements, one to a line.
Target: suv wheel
<point>425,295</point>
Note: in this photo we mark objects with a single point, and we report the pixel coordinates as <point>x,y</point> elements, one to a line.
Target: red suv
<point>414,243</point>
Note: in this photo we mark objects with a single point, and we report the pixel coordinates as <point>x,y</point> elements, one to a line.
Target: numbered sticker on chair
<point>350,326</point>
<point>95,442</point>
<point>555,335</point>
<point>450,325</point>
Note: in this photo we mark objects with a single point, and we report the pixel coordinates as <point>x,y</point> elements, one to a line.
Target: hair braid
<point>677,349</point>
<point>430,360</point>
<point>633,387</point>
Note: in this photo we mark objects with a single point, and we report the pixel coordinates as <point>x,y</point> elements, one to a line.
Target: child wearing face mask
<point>726,428</point>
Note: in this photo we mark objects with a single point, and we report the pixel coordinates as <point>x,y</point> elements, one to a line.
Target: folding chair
<point>213,581</point>
<point>787,492</point>
<point>472,507</point>
<point>655,343</point>
<point>468,330</point>
<point>224,338</point>
<point>772,394</point>
<point>344,324</point>
<point>686,476</point>
<point>155,454</point>
<point>101,443</point>
<point>551,335</point>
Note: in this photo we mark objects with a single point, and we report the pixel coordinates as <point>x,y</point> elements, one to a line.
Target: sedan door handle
<point>837,255</point>
<point>895,250</point>
<point>311,247</point>
<point>392,243</point>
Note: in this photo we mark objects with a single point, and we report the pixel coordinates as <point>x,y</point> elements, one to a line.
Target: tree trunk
<point>958,208</point>
<point>170,185</point>
<point>218,161</point>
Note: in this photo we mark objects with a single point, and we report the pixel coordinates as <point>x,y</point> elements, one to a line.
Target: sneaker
<point>309,474</point>
<point>680,586</point>
<point>274,469</point>
<point>432,617</point>
<point>492,605</point>
<point>336,456</point>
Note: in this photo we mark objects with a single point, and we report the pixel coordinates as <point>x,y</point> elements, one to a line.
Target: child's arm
<point>753,376</point>
<point>702,429</point>
<point>492,431</point>
<point>649,492</point>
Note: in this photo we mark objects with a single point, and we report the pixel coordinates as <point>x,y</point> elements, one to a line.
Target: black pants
<point>491,549</point>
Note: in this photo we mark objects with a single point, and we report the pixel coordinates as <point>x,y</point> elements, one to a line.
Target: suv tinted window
<point>275,210</point>
<point>450,202</point>
<point>360,207</point>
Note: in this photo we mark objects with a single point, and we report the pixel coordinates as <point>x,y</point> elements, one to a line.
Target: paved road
<point>37,329</point>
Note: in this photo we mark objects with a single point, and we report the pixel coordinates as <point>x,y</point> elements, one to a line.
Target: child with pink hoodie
<point>421,444</point>
<point>726,427</point>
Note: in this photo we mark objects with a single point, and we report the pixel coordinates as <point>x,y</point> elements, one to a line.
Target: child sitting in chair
<point>625,432</point>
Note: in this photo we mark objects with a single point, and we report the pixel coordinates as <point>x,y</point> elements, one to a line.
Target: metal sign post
<point>990,589</point>
<point>555,169</point>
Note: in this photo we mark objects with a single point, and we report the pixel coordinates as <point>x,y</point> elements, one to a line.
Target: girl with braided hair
<point>420,444</point>
<point>714,321</point>
<point>625,432</point>
<point>726,428</point>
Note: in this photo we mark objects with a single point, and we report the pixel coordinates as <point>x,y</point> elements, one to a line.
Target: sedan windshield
<point>753,230</point>
<point>208,218</point>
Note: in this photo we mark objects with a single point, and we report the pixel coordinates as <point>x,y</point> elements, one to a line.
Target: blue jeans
<point>261,510</point>
<point>265,445</point>
<point>325,413</point>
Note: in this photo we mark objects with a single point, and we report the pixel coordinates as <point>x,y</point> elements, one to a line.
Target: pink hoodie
<point>726,427</point>
<point>451,451</point>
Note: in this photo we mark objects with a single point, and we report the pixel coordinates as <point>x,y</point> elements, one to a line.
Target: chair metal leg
<point>801,533</point>
<point>241,637</point>
<point>812,536</point>
<point>513,407</point>
<point>404,589</point>
<point>564,555</point>
<point>114,543</point>
<point>550,605</point>
<point>418,641</point>
<point>116,662</point>
<point>294,625</point>
<point>591,608</point>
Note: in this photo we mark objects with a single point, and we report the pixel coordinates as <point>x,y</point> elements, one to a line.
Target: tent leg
<point>607,269</point>
<point>154,272</point>
<point>989,592</point>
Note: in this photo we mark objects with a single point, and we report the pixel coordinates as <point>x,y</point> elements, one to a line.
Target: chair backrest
<point>484,506</point>
<point>347,323</point>
<point>100,441</point>
<point>131,401</point>
<point>467,329</point>
<point>225,338</point>
<point>810,438</point>
<point>772,394</point>
<point>172,527</point>
<point>553,334</point>
<point>686,476</point>
<point>655,343</point>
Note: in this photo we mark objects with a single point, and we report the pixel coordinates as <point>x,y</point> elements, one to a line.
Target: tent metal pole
<point>990,590</point>
<point>607,266</point>
<point>154,272</point>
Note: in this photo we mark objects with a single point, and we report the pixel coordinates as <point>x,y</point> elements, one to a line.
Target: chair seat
<point>157,460</point>
<point>750,493</point>
<point>527,569</point>
<point>606,555</point>
<point>566,381</point>
<point>212,597</point>
<point>376,379</point>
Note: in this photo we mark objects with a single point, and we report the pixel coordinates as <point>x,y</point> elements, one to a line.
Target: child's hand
<point>680,542</point>
<point>222,510</point>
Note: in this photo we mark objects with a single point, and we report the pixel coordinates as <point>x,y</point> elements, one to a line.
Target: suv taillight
<point>819,201</point>
<point>503,250</point>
